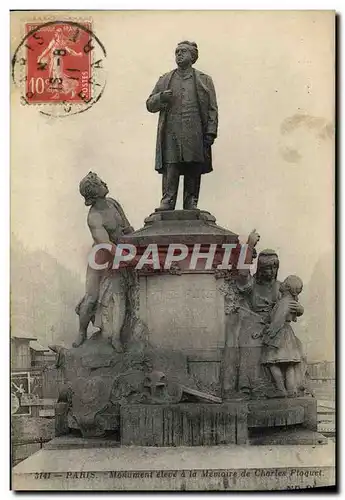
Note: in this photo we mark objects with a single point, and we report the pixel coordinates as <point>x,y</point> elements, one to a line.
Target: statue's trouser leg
<point>170,183</point>
<point>191,188</point>
<point>197,188</point>
<point>119,311</point>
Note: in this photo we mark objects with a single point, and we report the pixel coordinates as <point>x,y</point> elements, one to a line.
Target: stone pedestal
<point>180,226</point>
<point>184,312</point>
<point>184,308</point>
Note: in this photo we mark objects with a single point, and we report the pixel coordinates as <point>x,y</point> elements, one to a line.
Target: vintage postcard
<point>172,250</point>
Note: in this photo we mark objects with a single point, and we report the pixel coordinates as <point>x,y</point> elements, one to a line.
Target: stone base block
<point>283,412</point>
<point>186,424</point>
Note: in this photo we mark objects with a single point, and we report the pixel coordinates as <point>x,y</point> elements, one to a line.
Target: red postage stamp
<point>58,67</point>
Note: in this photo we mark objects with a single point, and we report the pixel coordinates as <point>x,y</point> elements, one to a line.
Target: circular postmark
<point>60,67</point>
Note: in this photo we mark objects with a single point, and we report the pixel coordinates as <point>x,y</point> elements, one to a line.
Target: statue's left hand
<point>253,239</point>
<point>293,306</point>
<point>208,140</point>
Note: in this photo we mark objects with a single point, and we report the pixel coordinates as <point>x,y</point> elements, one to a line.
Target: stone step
<point>70,442</point>
<point>212,468</point>
<point>286,436</point>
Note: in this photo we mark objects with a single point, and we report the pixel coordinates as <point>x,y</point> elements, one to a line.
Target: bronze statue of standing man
<point>187,127</point>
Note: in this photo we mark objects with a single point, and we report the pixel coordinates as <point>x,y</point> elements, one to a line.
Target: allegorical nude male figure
<point>107,222</point>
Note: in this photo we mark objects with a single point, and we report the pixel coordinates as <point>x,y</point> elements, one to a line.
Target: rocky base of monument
<point>147,397</point>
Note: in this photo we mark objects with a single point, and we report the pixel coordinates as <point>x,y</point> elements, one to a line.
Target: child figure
<point>281,348</point>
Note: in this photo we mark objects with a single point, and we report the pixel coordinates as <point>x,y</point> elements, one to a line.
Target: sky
<point>273,158</point>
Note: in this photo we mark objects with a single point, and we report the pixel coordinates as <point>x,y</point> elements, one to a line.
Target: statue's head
<point>268,265</point>
<point>186,53</point>
<point>92,187</point>
<point>293,285</point>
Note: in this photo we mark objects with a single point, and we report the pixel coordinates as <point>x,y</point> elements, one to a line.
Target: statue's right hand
<point>166,96</point>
